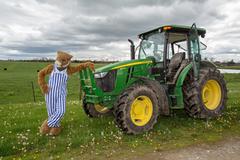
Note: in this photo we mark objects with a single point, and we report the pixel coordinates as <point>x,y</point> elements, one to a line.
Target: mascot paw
<point>90,65</point>
<point>44,129</point>
<point>55,131</point>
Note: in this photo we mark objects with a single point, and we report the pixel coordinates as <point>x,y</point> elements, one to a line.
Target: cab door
<point>194,50</point>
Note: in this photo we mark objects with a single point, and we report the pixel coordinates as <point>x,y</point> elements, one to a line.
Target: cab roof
<point>175,29</point>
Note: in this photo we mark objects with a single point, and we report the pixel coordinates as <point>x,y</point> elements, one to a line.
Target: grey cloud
<point>87,27</point>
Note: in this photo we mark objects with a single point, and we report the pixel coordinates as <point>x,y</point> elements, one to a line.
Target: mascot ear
<point>64,54</point>
<point>69,57</point>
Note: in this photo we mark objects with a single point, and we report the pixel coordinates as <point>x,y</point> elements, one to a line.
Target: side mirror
<point>132,49</point>
<point>203,46</point>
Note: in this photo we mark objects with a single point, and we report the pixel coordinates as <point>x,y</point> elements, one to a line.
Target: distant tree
<point>212,59</point>
<point>231,62</point>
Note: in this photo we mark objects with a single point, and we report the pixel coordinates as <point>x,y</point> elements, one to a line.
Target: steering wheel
<point>157,54</point>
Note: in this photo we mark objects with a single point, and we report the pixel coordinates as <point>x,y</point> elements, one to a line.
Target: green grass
<point>86,138</point>
<point>229,67</point>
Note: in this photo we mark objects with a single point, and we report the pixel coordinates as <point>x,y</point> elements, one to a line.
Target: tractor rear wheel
<point>136,109</point>
<point>95,110</point>
<point>206,97</point>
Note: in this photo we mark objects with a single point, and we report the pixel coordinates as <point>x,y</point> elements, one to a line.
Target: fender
<point>207,64</point>
<point>178,87</point>
<point>161,94</point>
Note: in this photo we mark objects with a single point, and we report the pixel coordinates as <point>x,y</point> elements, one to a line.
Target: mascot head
<point>63,59</point>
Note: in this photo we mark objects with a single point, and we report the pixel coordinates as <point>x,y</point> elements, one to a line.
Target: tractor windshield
<point>152,46</point>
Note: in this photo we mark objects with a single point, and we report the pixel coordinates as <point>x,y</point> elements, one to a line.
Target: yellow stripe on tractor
<point>132,64</point>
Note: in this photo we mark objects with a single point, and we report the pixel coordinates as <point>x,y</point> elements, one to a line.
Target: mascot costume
<point>56,90</point>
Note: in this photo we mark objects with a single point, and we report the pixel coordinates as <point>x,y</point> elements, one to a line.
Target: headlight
<point>100,75</point>
<point>106,80</point>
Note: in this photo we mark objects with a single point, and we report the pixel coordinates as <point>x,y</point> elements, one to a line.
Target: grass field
<point>16,82</point>
<point>85,138</point>
<point>229,67</point>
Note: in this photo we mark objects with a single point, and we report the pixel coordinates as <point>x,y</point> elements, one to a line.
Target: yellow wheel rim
<point>101,109</point>
<point>141,110</point>
<point>211,94</point>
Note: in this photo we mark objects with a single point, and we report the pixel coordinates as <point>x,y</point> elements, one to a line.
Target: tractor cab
<point>171,47</point>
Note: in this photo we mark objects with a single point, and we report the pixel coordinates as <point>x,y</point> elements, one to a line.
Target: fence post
<point>33,91</point>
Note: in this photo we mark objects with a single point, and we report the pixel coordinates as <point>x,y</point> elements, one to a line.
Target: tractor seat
<point>174,64</point>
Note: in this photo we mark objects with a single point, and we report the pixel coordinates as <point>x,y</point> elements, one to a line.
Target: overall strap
<point>55,67</point>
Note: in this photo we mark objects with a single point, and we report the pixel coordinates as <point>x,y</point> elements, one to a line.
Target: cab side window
<point>181,47</point>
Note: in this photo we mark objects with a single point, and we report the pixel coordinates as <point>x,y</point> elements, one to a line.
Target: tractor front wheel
<point>136,109</point>
<point>95,110</point>
<point>206,97</point>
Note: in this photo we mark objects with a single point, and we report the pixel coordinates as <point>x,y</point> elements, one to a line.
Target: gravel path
<point>225,150</point>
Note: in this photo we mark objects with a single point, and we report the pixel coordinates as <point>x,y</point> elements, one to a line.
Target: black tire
<point>122,109</point>
<point>91,111</point>
<point>192,91</point>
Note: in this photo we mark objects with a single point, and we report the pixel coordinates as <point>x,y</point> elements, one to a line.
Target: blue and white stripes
<point>56,97</point>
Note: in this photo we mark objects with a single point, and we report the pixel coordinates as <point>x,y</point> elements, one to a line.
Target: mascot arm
<point>41,78</point>
<point>81,66</point>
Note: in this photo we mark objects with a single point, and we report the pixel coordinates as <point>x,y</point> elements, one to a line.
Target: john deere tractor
<point>165,73</point>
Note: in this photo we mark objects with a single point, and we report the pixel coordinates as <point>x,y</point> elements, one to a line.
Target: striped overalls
<point>56,97</point>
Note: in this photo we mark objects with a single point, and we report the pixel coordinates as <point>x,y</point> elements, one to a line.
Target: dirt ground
<point>224,150</point>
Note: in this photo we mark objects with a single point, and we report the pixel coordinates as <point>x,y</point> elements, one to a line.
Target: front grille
<point>107,83</point>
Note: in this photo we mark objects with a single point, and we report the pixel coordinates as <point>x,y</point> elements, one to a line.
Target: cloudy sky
<point>99,29</point>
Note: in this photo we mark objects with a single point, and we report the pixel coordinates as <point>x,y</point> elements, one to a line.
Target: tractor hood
<point>123,64</point>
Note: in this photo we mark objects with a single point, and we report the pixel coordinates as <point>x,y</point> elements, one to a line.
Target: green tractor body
<point>165,73</point>
<point>109,81</point>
